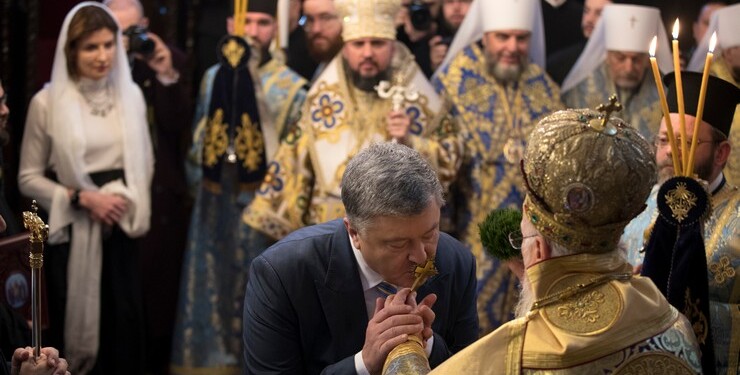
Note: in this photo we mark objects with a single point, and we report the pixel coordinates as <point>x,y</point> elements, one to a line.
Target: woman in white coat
<point>86,157</point>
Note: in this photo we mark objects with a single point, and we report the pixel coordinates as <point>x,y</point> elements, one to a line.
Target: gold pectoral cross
<point>422,273</point>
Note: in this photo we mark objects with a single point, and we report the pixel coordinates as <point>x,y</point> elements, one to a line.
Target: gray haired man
<point>312,301</point>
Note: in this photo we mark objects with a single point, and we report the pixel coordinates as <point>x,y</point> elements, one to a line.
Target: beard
<point>4,135</point>
<point>665,171</point>
<point>366,83</point>
<point>702,168</point>
<point>322,54</point>
<point>526,298</point>
<point>265,55</point>
<point>452,29</point>
<point>505,73</point>
<point>628,82</point>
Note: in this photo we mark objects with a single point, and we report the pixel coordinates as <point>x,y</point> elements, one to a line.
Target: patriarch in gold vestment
<point>581,309</point>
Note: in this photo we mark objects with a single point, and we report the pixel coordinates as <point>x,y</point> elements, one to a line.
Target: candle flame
<point>653,46</point>
<point>712,42</point>
<point>675,29</point>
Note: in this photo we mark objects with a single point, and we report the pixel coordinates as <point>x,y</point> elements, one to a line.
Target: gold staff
<point>39,233</point>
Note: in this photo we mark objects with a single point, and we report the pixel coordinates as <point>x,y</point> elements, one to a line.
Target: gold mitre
<point>368,18</point>
<point>586,178</point>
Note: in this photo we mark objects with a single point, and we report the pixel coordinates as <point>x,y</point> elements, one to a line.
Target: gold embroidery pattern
<point>698,320</point>
<point>681,201</point>
<point>585,307</point>
<point>249,144</point>
<point>281,87</point>
<point>233,52</point>
<point>216,140</point>
<point>722,270</point>
<point>485,122</point>
<point>641,109</point>
<point>653,363</point>
<point>586,313</point>
<point>327,109</point>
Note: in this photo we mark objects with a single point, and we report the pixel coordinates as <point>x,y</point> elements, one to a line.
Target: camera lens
<point>421,17</point>
<point>138,40</point>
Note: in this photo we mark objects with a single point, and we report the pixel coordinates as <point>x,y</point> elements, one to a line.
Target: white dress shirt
<point>370,279</point>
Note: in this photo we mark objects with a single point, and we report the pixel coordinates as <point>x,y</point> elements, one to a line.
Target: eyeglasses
<point>516,239</point>
<point>661,142</point>
<point>308,21</point>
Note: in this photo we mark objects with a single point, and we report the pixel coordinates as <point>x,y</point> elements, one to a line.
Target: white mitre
<point>494,15</point>
<point>625,28</point>
<point>726,23</point>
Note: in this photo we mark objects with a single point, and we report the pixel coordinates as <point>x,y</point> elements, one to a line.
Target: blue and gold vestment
<point>496,121</point>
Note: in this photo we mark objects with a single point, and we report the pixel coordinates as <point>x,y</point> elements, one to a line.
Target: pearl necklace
<point>98,95</point>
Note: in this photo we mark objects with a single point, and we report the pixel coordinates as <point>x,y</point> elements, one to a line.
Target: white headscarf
<point>726,24</point>
<point>606,33</point>
<point>478,21</point>
<point>67,155</point>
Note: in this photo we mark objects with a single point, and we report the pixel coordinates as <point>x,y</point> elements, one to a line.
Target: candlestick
<point>664,106</point>
<point>700,105</point>
<point>679,96</point>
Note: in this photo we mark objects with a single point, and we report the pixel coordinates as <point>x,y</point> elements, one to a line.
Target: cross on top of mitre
<point>607,109</point>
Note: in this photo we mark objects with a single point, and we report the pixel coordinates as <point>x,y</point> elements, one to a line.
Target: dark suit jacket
<point>561,62</point>
<point>304,309</point>
<point>4,365</point>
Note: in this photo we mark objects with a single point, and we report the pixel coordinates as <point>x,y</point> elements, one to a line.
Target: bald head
<point>127,13</point>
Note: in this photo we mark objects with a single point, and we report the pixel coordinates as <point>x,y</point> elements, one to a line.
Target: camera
<point>421,17</point>
<point>138,40</point>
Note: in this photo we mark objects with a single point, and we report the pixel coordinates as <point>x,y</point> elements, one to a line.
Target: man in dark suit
<point>312,304</point>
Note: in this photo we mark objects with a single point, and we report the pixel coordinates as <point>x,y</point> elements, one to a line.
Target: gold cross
<point>423,273</point>
<point>608,109</point>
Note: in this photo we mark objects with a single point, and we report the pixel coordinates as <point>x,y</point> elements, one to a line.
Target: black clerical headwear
<point>260,6</point>
<point>719,105</point>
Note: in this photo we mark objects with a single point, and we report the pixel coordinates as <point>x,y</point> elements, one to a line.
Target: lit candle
<point>240,8</point>
<point>237,6</point>
<point>281,39</point>
<point>245,5</point>
<point>664,106</point>
<point>700,105</point>
<point>679,95</point>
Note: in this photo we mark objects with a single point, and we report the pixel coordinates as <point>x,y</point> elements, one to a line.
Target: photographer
<point>417,29</point>
<point>450,19</point>
<point>159,70</point>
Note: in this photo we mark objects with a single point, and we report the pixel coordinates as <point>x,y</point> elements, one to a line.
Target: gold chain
<point>579,288</point>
